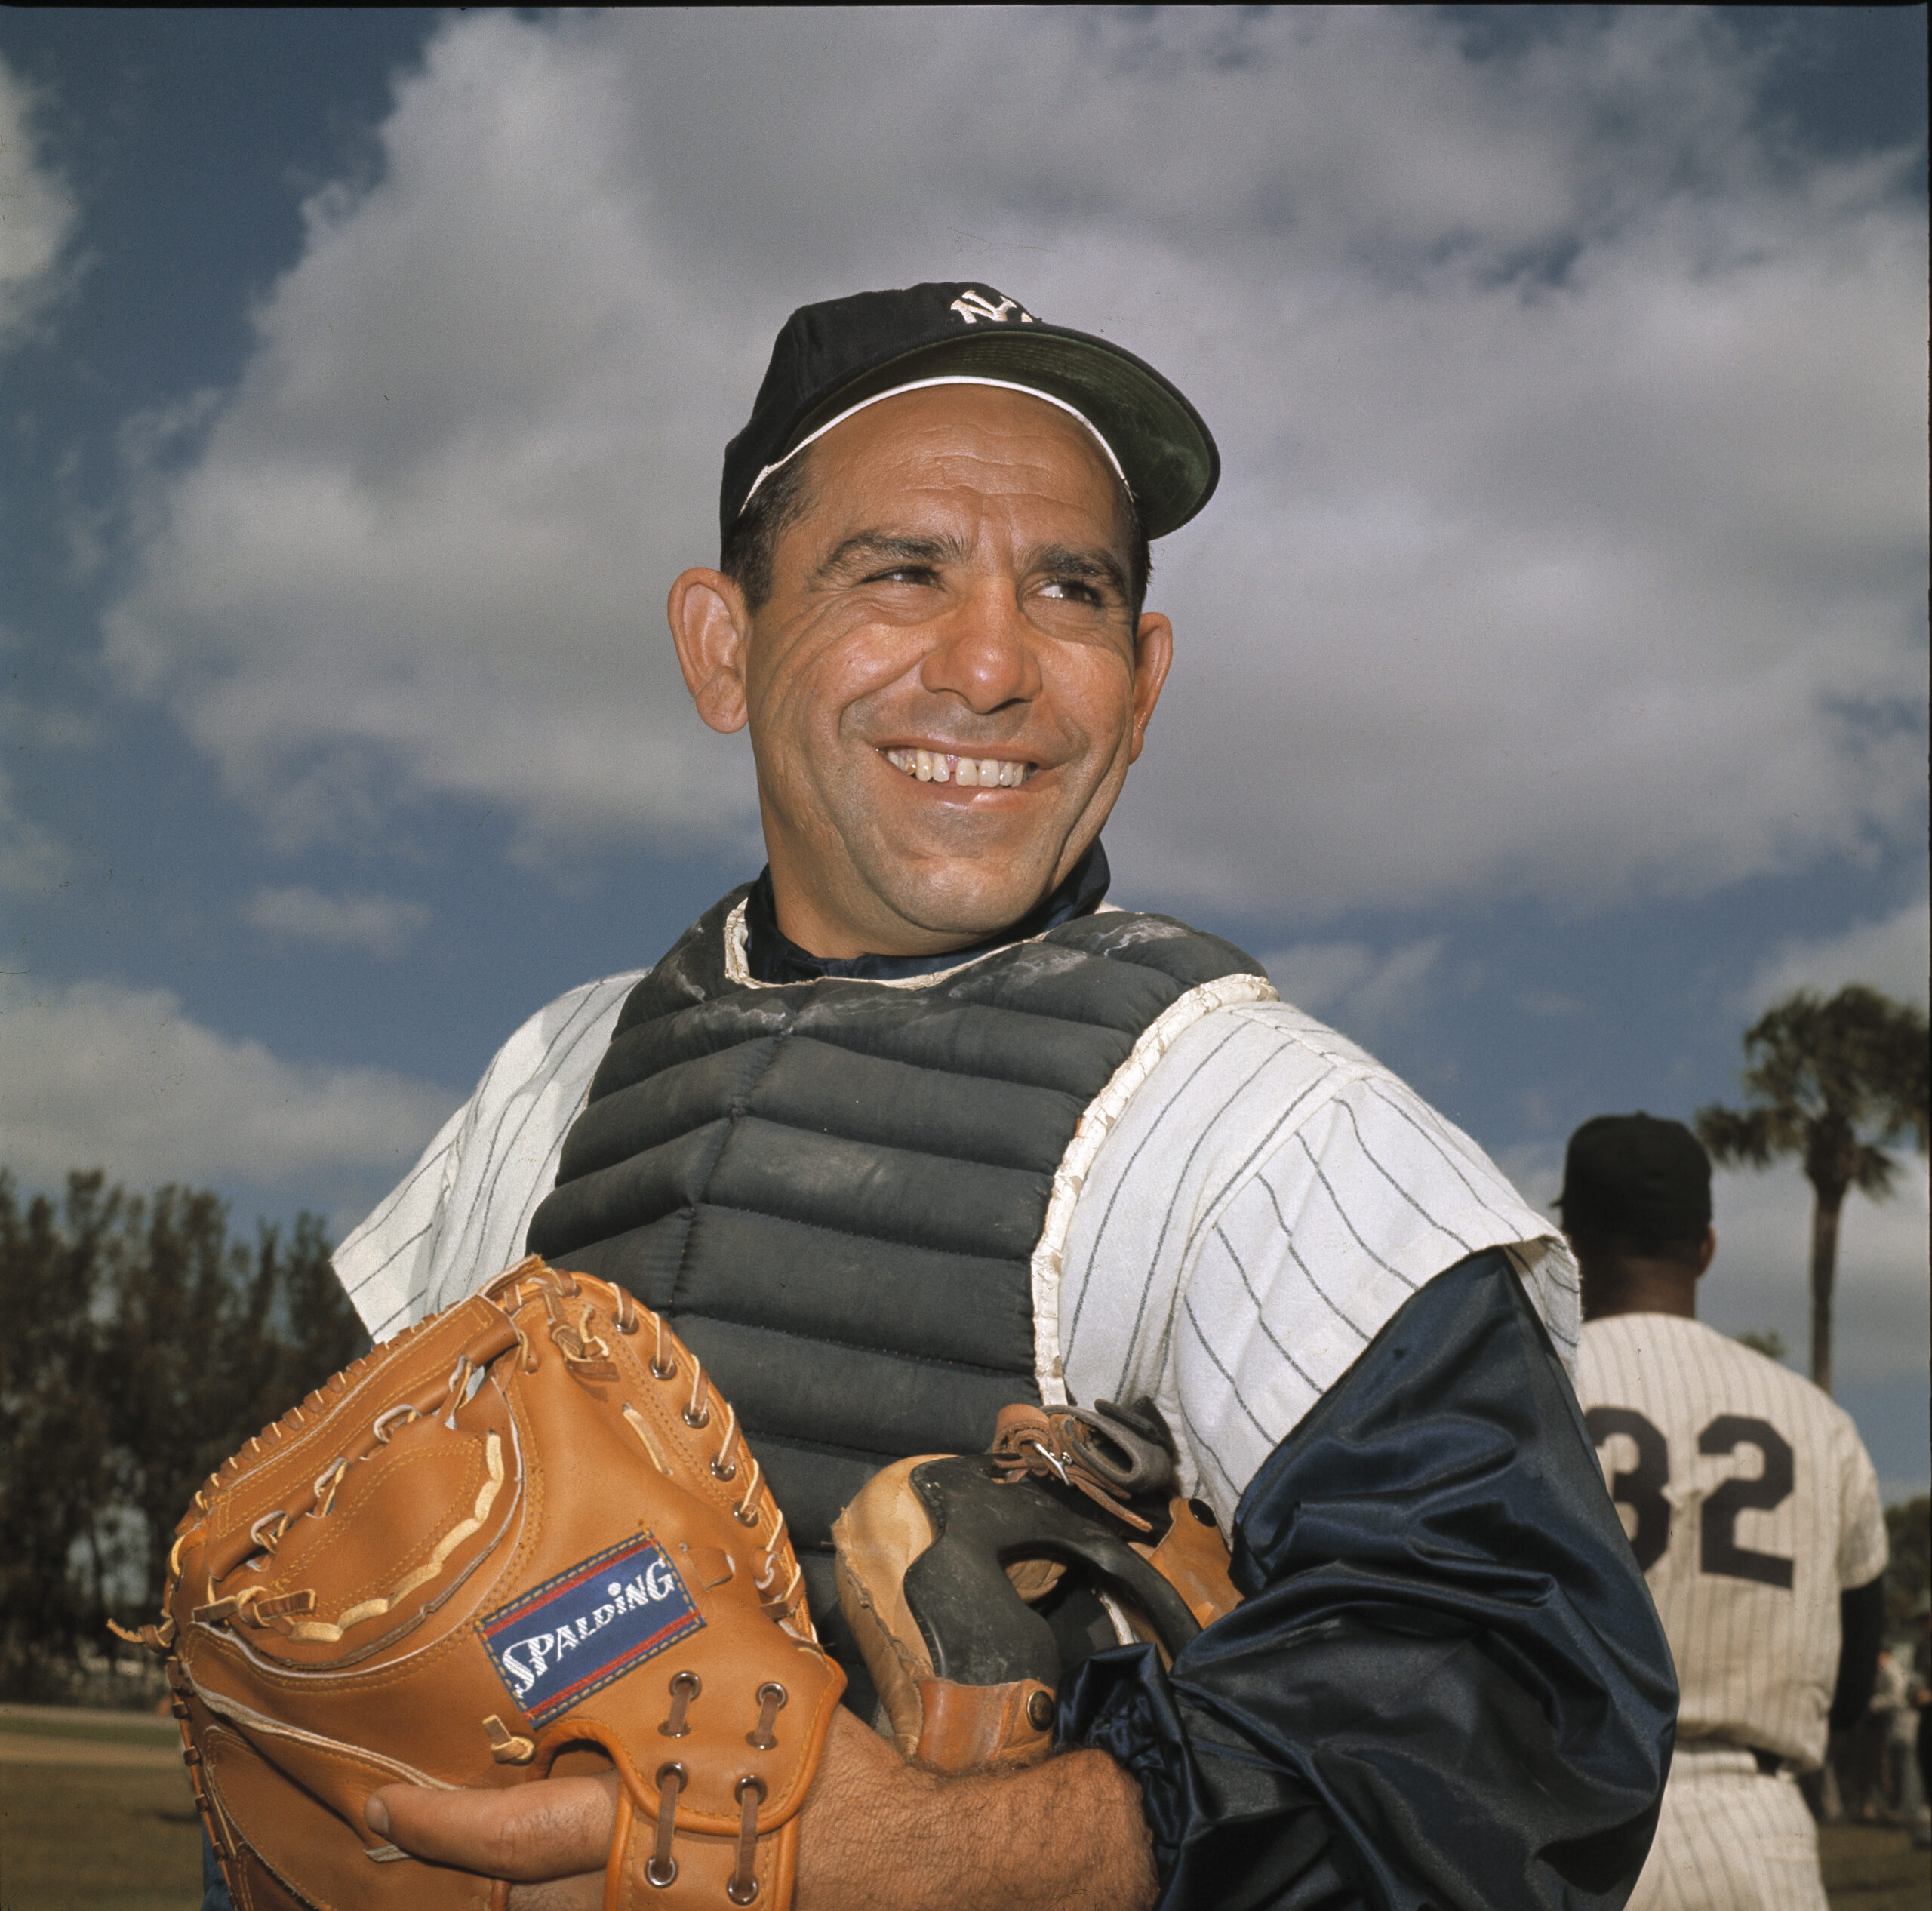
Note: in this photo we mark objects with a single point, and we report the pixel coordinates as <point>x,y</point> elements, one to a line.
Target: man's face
<point>945,687</point>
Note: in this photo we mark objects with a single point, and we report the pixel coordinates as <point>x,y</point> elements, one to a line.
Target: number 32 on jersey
<point>1644,1490</point>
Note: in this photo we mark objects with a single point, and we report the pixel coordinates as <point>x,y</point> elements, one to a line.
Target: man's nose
<point>983,654</point>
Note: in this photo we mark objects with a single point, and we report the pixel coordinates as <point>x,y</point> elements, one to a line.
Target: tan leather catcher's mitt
<point>528,1527</point>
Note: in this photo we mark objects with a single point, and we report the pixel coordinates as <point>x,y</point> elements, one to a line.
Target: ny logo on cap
<point>973,307</point>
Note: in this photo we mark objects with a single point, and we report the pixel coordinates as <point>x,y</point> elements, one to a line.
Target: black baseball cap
<point>1636,1175</point>
<point>832,359</point>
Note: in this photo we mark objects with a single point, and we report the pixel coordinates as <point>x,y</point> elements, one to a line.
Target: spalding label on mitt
<point>976,1584</point>
<point>527,1527</point>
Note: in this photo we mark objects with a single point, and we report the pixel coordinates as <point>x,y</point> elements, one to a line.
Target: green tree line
<point>1909,1576</point>
<point>142,1346</point>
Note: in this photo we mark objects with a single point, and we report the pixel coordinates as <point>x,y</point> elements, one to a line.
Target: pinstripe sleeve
<point>1267,1202</point>
<point>460,1214</point>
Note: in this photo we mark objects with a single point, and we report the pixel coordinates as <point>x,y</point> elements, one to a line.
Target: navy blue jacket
<point>1447,1684</point>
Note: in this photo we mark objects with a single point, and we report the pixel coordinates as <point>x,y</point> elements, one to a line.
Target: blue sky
<point>1552,679</point>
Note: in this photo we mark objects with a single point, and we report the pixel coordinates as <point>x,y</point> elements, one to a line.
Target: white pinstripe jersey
<point>1730,1839</point>
<point>1267,1198</point>
<point>1752,1504</point>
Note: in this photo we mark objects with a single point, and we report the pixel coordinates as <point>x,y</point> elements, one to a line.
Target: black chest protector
<point>836,1188</point>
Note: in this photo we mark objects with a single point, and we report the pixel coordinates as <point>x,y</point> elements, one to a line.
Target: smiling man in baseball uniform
<point>1753,1509</point>
<point>914,1126</point>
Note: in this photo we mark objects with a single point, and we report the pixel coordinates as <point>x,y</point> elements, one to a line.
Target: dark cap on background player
<point>1636,1176</point>
<point>835,358</point>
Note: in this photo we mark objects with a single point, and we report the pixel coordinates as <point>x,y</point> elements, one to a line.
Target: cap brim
<point>1164,446</point>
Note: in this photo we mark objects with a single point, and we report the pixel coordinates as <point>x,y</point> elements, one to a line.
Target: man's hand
<point>550,1839</point>
<point>877,1835</point>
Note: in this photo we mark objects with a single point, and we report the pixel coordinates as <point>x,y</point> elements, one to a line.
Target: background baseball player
<point>1753,1509</point>
<point>911,1127</point>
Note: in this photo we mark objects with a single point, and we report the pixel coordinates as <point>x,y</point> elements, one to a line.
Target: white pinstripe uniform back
<point>1265,1197</point>
<point>1752,1505</point>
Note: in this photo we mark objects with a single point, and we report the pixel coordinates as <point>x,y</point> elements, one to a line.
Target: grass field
<point>123,1838</point>
<point>1867,1869</point>
<point>94,1838</point>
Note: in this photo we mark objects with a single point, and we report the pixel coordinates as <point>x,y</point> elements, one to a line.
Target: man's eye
<point>901,573</point>
<point>1075,589</point>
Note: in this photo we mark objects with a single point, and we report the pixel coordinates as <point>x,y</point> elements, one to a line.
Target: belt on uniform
<point>1769,1763</point>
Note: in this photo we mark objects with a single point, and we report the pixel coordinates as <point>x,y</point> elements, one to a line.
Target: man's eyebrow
<point>1063,561</point>
<point>883,546</point>
<point>1096,563</point>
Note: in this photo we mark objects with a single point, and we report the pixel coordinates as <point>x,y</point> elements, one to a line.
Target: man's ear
<point>1153,652</point>
<point>711,627</point>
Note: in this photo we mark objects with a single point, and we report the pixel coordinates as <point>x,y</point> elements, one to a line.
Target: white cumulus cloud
<point>1572,539</point>
<point>39,214</point>
<point>1893,955</point>
<point>1353,987</point>
<point>381,926</point>
<point>93,1075</point>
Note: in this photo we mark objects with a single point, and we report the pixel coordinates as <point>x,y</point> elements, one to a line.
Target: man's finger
<point>553,1828</point>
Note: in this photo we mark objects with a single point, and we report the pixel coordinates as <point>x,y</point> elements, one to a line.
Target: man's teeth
<point>984,772</point>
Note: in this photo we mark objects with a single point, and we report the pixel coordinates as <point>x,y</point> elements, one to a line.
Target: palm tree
<point>1831,1082</point>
